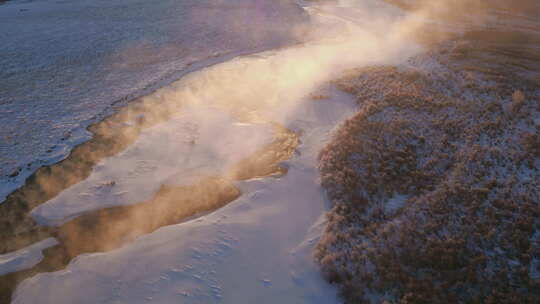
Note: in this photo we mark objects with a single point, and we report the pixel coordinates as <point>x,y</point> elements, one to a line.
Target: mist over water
<point>66,64</point>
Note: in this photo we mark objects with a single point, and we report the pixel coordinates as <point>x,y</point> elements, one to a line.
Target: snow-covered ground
<point>257,249</point>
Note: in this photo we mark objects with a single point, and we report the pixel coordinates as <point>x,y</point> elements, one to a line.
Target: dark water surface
<point>65,64</point>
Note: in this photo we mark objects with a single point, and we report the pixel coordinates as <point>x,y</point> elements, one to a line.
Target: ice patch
<point>24,258</point>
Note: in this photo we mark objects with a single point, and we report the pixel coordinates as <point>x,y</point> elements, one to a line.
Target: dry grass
<point>439,135</point>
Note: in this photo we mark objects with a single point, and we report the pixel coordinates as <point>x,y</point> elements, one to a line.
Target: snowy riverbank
<point>259,247</point>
